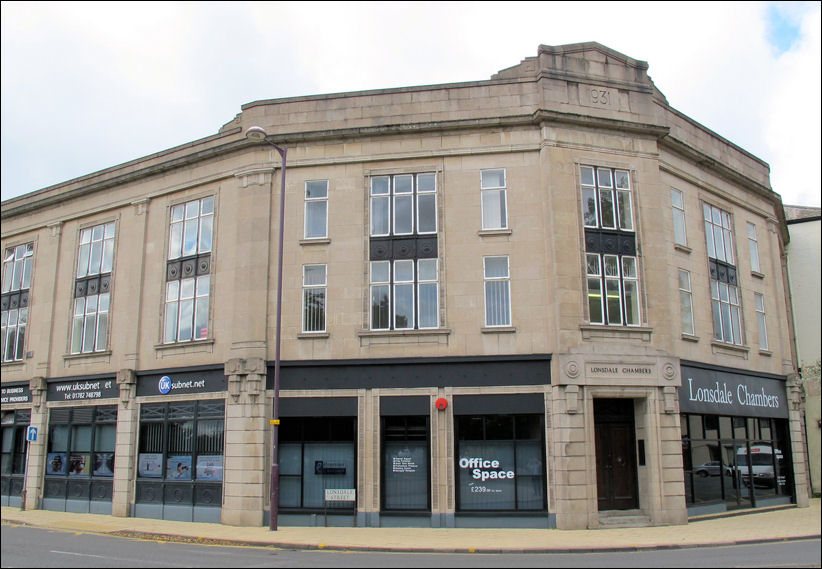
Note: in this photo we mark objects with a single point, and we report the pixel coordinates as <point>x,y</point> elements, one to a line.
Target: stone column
<point>125,452</point>
<point>245,470</point>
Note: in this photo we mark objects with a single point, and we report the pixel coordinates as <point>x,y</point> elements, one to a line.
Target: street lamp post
<point>258,134</point>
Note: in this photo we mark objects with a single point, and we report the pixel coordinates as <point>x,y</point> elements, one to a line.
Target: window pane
<point>380,307</point>
<point>496,267</point>
<point>206,230</point>
<point>379,215</point>
<point>427,269</point>
<point>316,189</point>
<point>606,204</point>
<point>380,271</point>
<point>631,302</point>
<point>623,180</point>
<point>686,309</point>
<point>404,306</point>
<point>108,256</point>
<point>403,184</point>
<point>604,178</point>
<point>493,209</point>
<point>626,215</point>
<point>587,175</point>
<point>429,317</point>
<point>426,213</point>
<point>96,257</point>
<point>613,301</point>
<point>405,475</point>
<point>403,214</point>
<point>314,310</point>
<point>190,236</point>
<point>175,241</point>
<point>426,182</point>
<point>82,261</point>
<point>497,304</point>
<point>492,178</point>
<point>595,301</point>
<point>380,185</point>
<point>315,219</point>
<point>589,207</point>
<point>314,275</point>
<point>403,271</point>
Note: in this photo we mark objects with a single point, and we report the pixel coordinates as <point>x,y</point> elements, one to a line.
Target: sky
<point>87,86</point>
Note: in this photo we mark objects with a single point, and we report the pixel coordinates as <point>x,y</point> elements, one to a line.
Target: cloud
<point>111,82</point>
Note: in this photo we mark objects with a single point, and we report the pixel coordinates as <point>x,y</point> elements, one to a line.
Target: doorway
<point>615,454</point>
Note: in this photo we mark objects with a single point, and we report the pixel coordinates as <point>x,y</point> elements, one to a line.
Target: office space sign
<point>717,392</point>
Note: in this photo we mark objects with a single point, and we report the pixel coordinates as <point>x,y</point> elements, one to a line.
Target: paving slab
<point>766,525</point>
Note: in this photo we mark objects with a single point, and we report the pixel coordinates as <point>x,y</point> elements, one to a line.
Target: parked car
<point>712,468</point>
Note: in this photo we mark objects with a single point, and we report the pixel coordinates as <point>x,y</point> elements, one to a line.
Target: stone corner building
<point>547,299</point>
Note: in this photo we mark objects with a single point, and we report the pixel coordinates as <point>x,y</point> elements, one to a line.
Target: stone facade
<point>542,121</point>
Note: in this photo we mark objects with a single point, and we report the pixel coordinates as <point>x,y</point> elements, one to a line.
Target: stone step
<point>624,519</point>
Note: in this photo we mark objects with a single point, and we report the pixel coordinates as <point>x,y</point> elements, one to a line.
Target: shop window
<point>500,463</point>
<point>13,457</point>
<point>81,453</point>
<point>315,454</point>
<point>741,461</point>
<point>405,457</point>
<point>182,441</point>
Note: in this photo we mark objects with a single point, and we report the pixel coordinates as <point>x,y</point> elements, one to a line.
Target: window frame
<point>678,211</point>
<point>307,289</point>
<point>616,186</point>
<point>17,270</point>
<point>686,297</point>
<point>486,191</point>
<point>616,278</point>
<point>310,203</point>
<point>488,280</point>
<point>414,285</point>
<point>193,289</point>
<point>753,248</point>
<point>414,197</point>
<point>761,320</point>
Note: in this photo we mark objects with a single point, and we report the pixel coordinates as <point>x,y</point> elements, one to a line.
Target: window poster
<point>56,463</point>
<point>79,465</point>
<point>178,467</point>
<point>103,464</point>
<point>150,465</point>
<point>210,467</point>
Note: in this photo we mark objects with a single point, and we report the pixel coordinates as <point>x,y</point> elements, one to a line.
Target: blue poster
<point>178,467</point>
<point>56,463</point>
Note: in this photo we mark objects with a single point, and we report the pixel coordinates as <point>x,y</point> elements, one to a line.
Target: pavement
<point>782,523</point>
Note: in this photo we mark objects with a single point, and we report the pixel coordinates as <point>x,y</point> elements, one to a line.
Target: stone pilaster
<point>125,453</point>
<point>33,490</point>
<point>245,470</point>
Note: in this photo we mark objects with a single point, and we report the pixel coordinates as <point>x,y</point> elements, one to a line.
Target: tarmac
<point>782,523</point>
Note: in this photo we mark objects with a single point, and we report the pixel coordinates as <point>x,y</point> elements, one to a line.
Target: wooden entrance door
<point>616,454</point>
